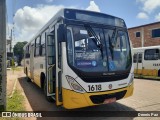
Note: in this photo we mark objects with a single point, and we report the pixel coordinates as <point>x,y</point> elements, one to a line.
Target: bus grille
<point>98,99</point>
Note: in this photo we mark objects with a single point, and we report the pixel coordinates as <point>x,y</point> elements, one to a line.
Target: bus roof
<point>82,15</point>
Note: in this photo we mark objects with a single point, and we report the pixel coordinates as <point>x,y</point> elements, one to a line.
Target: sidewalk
<point>11,81</point>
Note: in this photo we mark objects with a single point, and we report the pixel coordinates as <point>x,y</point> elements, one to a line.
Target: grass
<point>1,107</point>
<point>13,68</point>
<point>16,68</point>
<point>16,103</point>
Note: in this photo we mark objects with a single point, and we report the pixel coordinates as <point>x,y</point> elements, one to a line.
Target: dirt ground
<point>13,81</point>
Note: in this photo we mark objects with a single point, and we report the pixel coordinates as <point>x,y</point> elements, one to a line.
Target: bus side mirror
<point>60,33</point>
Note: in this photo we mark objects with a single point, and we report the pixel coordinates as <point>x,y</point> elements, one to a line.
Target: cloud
<point>29,20</point>
<point>149,5</point>
<point>142,15</point>
<point>157,17</point>
<point>93,7</point>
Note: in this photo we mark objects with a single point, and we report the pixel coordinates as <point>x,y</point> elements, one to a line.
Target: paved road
<point>146,97</point>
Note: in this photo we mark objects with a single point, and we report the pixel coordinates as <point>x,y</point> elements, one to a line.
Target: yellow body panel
<point>72,99</point>
<point>146,72</point>
<point>37,78</point>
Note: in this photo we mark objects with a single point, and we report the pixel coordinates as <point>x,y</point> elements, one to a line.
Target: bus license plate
<point>110,100</point>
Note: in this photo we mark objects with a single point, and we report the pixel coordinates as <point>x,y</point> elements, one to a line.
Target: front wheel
<point>49,98</point>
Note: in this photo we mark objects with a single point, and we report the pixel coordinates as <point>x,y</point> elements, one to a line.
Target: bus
<point>146,61</point>
<point>81,58</point>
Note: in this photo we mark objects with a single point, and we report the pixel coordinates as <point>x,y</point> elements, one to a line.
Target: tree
<point>18,50</point>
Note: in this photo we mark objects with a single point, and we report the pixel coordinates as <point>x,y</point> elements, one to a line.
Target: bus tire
<point>159,73</point>
<point>28,79</point>
<point>48,98</point>
<point>42,79</point>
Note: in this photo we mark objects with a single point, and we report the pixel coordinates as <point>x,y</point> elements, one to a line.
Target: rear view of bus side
<point>147,62</point>
<point>81,58</point>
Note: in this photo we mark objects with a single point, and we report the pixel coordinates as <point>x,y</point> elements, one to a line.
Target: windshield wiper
<point>112,42</point>
<point>111,47</point>
<point>98,41</point>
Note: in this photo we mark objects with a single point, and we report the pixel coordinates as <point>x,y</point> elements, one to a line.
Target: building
<point>145,35</point>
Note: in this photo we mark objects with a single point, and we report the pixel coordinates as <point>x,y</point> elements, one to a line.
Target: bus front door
<point>139,66</point>
<point>50,65</point>
<point>53,70</point>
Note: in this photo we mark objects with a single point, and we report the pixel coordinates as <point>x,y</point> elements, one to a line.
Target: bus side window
<point>151,54</point>
<point>50,39</point>
<point>27,52</point>
<point>135,58</point>
<point>43,46</point>
<point>37,46</point>
<point>159,53</point>
<point>140,58</point>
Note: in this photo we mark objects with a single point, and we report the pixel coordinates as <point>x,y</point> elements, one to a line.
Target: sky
<point>26,17</point>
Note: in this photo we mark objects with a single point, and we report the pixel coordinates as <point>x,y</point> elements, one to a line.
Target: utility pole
<point>11,42</point>
<point>2,55</point>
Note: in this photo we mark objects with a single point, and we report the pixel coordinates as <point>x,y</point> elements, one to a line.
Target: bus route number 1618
<point>94,87</point>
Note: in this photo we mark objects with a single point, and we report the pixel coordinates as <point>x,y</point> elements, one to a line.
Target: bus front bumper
<point>72,99</point>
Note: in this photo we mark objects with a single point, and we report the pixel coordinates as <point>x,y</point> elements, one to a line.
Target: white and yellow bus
<point>147,61</point>
<point>81,58</point>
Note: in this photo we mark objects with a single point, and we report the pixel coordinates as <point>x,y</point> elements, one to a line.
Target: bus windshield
<point>93,49</point>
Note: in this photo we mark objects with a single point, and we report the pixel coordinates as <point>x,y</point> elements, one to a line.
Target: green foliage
<point>16,102</point>
<point>12,63</point>
<point>18,50</point>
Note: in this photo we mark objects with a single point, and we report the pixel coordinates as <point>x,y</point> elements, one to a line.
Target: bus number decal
<point>94,87</point>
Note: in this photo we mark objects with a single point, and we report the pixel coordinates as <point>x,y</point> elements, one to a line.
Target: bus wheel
<point>28,79</point>
<point>159,73</point>
<point>49,98</point>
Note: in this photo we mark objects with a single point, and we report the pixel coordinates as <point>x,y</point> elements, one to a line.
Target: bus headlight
<point>74,85</point>
<point>131,79</point>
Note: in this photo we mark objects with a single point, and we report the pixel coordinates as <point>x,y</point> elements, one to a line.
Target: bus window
<point>37,46</point>
<point>140,58</point>
<point>43,44</point>
<point>89,56</point>
<point>70,46</point>
<point>159,54</point>
<point>43,38</point>
<point>86,55</point>
<point>135,58</point>
<point>119,56</point>
<point>151,54</point>
<point>27,52</point>
<point>51,49</point>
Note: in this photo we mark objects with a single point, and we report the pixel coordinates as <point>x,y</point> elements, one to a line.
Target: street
<point>146,97</point>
